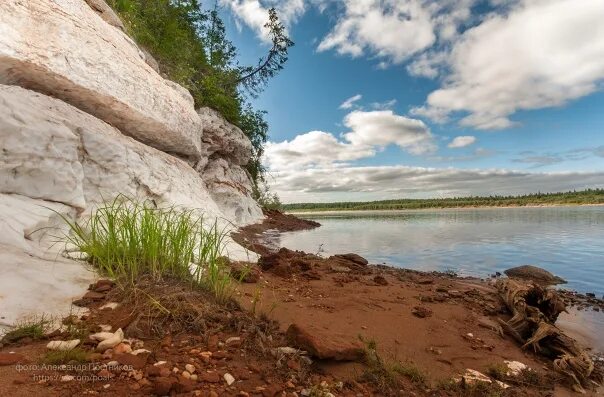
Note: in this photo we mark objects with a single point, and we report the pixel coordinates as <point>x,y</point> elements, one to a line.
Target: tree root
<point>534,311</point>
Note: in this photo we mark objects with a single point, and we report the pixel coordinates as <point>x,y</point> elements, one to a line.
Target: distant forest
<point>589,196</point>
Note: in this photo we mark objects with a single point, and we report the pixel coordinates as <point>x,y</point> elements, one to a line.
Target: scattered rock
<point>421,311</point>
<point>61,345</point>
<point>122,348</point>
<point>359,260</point>
<point>515,367</point>
<point>534,273</point>
<point>109,305</point>
<point>229,379</point>
<point>324,344</point>
<point>108,343</point>
<point>380,280</point>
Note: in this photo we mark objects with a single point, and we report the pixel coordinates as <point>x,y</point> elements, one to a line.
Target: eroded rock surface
<point>534,273</point>
<point>228,182</point>
<point>324,344</point>
<point>63,48</point>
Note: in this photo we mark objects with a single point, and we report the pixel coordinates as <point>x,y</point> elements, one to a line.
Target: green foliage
<point>265,198</point>
<point>589,196</point>
<point>192,49</point>
<point>32,327</point>
<point>126,239</point>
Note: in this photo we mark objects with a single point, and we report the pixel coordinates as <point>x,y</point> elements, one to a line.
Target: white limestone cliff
<point>65,49</point>
<point>84,118</point>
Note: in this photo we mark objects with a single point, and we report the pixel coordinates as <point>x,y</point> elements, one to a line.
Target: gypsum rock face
<point>230,187</point>
<point>224,138</point>
<point>64,49</point>
<point>55,152</point>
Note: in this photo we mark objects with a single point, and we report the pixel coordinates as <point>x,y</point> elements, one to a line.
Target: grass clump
<point>76,355</point>
<point>33,327</point>
<point>127,239</point>
<point>387,376</point>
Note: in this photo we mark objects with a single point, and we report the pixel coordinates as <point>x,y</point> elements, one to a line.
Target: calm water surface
<point>568,241</point>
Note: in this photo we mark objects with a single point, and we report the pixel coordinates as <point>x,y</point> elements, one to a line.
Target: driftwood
<point>534,310</point>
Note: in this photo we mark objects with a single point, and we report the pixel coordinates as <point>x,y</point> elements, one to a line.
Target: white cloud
<point>395,30</point>
<point>391,29</point>
<point>462,141</point>
<point>383,127</point>
<point>311,149</point>
<point>383,105</point>
<point>369,131</point>
<point>544,53</point>
<point>371,183</point>
<point>254,13</point>
<point>347,104</point>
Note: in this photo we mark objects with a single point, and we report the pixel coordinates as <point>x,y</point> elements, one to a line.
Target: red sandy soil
<point>436,322</point>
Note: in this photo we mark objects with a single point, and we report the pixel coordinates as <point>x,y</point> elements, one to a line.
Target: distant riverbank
<point>327,211</point>
<point>584,197</point>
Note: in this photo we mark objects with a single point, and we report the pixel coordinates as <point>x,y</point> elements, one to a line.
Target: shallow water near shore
<point>567,241</point>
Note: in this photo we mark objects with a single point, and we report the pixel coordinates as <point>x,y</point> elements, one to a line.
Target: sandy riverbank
<point>366,331</point>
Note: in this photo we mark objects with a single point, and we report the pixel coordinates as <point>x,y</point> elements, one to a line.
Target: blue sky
<point>518,83</point>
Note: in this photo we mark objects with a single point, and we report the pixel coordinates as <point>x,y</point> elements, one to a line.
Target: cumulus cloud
<point>391,29</point>
<point>462,141</point>
<point>368,183</point>
<point>349,103</point>
<point>543,53</point>
<point>254,13</point>
<point>395,30</point>
<point>311,149</point>
<point>383,127</point>
<point>369,131</point>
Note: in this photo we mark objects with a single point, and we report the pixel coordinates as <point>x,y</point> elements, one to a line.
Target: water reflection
<point>568,241</point>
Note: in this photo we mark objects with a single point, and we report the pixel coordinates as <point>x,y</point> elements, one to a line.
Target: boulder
<point>357,259</point>
<point>324,344</point>
<point>64,49</point>
<point>534,273</point>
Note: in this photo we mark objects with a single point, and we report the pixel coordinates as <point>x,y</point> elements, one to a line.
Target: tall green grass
<point>126,239</point>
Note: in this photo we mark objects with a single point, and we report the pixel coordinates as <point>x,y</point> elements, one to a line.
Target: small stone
<point>157,364</point>
<point>186,374</point>
<point>421,311</point>
<point>229,379</point>
<point>109,305</point>
<point>190,368</point>
<point>122,348</point>
<point>61,345</point>
<point>194,377</point>
<point>67,378</point>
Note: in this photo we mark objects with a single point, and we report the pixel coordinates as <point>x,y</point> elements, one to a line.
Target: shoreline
<point>406,210</point>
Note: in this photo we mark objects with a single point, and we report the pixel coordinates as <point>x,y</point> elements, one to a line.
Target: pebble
<point>62,345</point>
<point>67,378</point>
<point>190,368</point>
<point>229,379</point>
<point>186,374</point>
<point>157,364</point>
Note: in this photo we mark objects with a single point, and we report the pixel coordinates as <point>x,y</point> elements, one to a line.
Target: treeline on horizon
<point>589,196</point>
